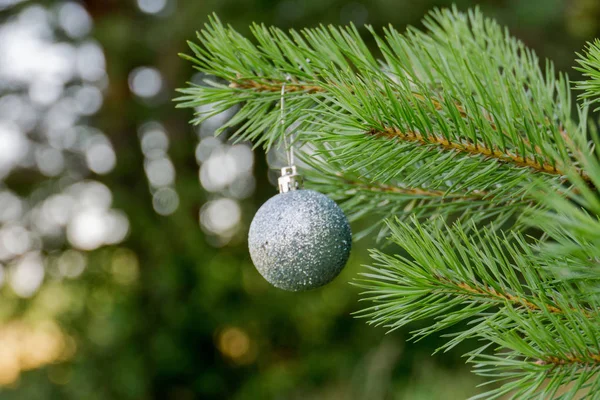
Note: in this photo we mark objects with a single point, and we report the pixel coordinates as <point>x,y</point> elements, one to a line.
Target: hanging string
<point>289,150</point>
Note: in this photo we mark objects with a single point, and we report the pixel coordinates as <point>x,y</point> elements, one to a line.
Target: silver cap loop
<point>289,179</point>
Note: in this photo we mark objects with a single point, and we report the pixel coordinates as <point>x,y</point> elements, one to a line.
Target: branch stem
<point>474,149</point>
<point>570,359</point>
<point>493,293</point>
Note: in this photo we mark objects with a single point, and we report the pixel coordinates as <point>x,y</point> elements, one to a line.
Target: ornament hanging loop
<point>290,179</point>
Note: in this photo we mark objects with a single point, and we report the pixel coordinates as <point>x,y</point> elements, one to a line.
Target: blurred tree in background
<point>122,230</point>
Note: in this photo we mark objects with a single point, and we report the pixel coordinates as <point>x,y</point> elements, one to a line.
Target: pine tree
<point>467,155</point>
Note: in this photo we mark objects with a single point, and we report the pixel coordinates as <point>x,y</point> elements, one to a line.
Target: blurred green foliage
<point>165,315</point>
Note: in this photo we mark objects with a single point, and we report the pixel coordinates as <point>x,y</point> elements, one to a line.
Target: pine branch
<point>448,264</point>
<point>360,197</point>
<point>544,165</point>
<point>456,122</point>
<point>453,132</point>
<point>547,355</point>
<point>450,277</point>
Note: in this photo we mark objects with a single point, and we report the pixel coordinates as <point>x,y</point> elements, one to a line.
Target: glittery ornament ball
<point>299,240</point>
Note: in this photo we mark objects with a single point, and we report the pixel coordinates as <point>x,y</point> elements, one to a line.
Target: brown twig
<point>569,359</point>
<point>274,86</point>
<point>491,292</point>
<point>511,298</point>
<point>464,146</point>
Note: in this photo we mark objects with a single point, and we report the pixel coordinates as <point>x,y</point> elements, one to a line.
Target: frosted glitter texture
<point>299,240</point>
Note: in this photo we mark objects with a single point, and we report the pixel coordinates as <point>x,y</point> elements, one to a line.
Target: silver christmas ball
<point>299,240</point>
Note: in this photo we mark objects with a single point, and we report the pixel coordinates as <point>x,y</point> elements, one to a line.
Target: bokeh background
<point>123,265</point>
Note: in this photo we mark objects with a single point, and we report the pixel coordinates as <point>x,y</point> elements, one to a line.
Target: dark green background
<point>158,338</point>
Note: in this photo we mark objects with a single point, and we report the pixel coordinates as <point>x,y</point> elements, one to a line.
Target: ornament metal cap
<point>289,179</point>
